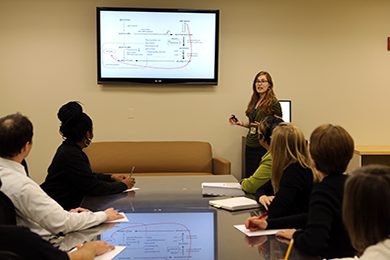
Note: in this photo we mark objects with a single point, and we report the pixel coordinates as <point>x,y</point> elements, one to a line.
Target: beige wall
<point>329,57</point>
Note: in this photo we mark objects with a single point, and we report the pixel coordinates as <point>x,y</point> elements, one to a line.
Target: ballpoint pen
<point>132,170</point>
<point>262,216</point>
<point>259,217</point>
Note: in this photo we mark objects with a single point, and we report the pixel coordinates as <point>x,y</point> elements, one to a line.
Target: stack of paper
<point>222,189</point>
<point>237,203</point>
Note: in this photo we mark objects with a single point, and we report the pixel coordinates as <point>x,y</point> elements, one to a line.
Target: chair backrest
<point>7,210</point>
<point>6,255</point>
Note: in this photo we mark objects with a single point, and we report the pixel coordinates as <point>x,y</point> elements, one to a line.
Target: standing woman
<point>263,103</point>
<point>70,176</point>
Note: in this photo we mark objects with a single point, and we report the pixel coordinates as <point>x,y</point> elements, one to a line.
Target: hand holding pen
<point>256,223</point>
<point>130,181</point>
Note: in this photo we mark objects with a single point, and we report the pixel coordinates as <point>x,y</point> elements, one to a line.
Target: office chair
<point>6,255</point>
<point>7,217</point>
<point>7,211</point>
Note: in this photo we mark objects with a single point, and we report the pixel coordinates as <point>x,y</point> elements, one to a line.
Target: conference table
<point>169,218</point>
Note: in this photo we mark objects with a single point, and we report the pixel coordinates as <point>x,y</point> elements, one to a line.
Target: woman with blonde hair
<point>292,177</point>
<point>262,103</point>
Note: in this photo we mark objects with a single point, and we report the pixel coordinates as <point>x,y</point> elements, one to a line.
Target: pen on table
<point>289,248</point>
<point>132,170</point>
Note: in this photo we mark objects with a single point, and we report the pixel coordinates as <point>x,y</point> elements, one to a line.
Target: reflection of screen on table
<point>188,235</point>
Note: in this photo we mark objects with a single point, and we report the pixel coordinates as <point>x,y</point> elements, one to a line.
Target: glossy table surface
<point>177,196</point>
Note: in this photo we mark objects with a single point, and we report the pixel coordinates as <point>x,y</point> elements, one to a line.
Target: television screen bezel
<point>194,81</point>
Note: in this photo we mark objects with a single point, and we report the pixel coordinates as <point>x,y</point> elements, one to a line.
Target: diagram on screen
<point>157,43</point>
<point>163,239</point>
<point>147,49</point>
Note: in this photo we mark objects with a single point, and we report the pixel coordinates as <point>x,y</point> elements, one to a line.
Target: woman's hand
<point>286,233</point>
<point>232,122</point>
<point>254,224</point>
<point>255,124</point>
<point>266,200</point>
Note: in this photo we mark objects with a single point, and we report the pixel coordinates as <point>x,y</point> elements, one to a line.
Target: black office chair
<point>7,210</point>
<point>5,255</point>
<point>7,217</point>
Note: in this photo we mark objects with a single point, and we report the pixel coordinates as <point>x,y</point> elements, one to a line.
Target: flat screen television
<point>157,46</point>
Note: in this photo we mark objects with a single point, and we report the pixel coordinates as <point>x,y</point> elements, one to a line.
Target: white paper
<point>132,189</point>
<point>249,233</point>
<point>125,219</point>
<point>110,254</point>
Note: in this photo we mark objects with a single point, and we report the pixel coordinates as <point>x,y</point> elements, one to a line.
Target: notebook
<point>236,203</point>
<point>222,189</point>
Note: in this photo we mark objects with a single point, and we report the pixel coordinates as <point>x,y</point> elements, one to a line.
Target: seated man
<point>34,208</point>
<point>34,247</point>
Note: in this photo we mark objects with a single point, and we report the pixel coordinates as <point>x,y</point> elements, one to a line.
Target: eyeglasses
<point>261,82</point>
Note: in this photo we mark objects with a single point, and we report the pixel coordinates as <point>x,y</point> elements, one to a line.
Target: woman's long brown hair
<point>266,104</point>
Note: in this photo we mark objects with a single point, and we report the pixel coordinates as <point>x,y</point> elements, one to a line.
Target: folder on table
<point>236,203</point>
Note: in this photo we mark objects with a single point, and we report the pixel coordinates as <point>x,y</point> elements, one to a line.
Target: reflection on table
<point>169,218</point>
<point>165,235</point>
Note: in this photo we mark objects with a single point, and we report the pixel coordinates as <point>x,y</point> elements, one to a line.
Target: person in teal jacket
<point>263,172</point>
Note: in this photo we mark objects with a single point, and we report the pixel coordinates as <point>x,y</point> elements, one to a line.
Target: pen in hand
<point>259,217</point>
<point>262,216</point>
<point>132,170</point>
<point>130,181</point>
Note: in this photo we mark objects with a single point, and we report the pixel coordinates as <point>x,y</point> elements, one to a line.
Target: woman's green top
<point>257,115</point>
<point>261,175</point>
